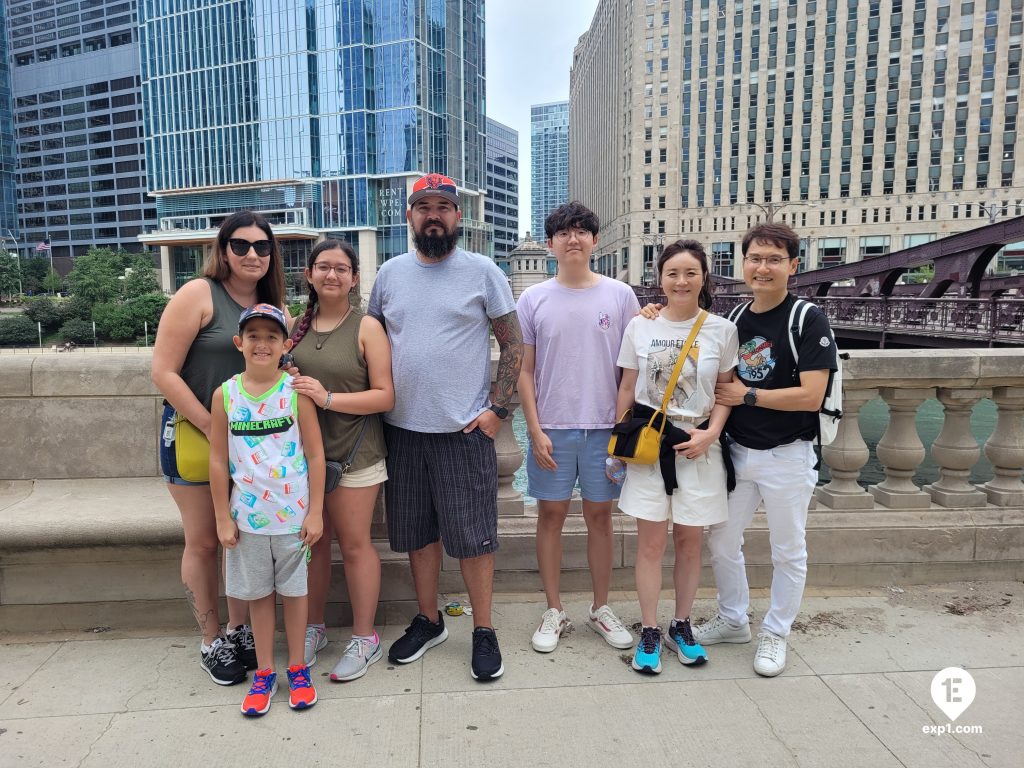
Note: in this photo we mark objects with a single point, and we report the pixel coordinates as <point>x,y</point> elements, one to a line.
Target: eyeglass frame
<point>325,269</point>
<point>235,243</point>
<point>771,261</point>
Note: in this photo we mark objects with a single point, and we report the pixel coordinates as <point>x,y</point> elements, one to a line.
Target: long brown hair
<point>696,250</point>
<point>270,287</point>
<point>302,326</point>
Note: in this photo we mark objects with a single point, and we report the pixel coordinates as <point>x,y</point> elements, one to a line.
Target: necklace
<point>321,338</point>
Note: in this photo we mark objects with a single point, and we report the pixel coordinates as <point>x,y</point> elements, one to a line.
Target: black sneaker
<point>221,663</point>
<point>245,645</point>
<point>680,638</point>
<point>486,655</point>
<point>420,636</point>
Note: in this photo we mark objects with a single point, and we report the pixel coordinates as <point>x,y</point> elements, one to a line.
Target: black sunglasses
<point>241,247</point>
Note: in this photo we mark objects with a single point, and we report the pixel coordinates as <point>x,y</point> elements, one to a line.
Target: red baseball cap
<point>437,185</point>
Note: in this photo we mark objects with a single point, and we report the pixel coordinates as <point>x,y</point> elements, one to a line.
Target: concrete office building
<point>321,116</point>
<point>78,125</point>
<point>501,209</point>
<point>549,162</point>
<point>868,126</point>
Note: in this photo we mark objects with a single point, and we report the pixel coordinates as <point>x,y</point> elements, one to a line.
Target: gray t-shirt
<point>438,319</point>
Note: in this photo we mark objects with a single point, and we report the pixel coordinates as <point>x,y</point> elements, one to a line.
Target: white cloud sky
<point>529,53</point>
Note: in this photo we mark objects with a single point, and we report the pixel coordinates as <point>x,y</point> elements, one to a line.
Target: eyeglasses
<point>241,247</point>
<point>771,261</point>
<point>325,269</point>
<point>565,234</point>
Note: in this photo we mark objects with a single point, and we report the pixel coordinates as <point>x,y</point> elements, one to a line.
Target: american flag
<point>43,246</point>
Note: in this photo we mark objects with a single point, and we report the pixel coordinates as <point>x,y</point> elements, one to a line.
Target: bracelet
<point>327,401</point>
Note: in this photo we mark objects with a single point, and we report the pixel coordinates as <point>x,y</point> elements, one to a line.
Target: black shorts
<point>441,486</point>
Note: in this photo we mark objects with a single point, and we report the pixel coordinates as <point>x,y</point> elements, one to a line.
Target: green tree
<point>146,309</point>
<point>18,331</point>
<point>44,310</point>
<point>75,308</point>
<point>141,279</point>
<point>53,282</point>
<point>10,274</point>
<point>76,330</point>
<point>114,321</point>
<point>33,272</point>
<point>95,274</point>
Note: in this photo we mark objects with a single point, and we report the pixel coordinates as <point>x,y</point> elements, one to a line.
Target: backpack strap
<point>734,313</point>
<point>797,315</point>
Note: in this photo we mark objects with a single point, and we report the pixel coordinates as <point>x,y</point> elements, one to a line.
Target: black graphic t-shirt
<point>766,362</point>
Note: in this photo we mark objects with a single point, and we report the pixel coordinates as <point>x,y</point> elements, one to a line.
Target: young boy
<point>572,328</point>
<point>266,437</point>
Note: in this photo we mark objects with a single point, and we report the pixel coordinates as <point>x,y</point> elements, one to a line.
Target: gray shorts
<point>260,564</point>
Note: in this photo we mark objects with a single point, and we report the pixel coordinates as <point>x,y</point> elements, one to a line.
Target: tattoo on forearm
<point>201,618</point>
<point>510,341</point>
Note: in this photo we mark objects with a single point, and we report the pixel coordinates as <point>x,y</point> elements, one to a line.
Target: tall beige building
<point>867,126</point>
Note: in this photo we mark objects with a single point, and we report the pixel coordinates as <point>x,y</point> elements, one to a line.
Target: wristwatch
<point>750,398</point>
<point>501,413</point>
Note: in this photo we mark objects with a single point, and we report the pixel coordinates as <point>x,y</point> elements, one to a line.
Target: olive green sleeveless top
<point>339,366</point>
<point>213,359</point>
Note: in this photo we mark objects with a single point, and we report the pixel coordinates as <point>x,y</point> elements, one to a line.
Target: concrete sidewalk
<point>856,693</point>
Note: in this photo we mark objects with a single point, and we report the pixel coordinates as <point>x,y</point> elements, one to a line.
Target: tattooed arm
<point>510,343</point>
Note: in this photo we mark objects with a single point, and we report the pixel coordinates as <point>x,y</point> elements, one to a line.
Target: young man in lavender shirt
<point>572,329</point>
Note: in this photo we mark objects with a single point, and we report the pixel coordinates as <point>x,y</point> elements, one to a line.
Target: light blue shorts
<point>579,454</point>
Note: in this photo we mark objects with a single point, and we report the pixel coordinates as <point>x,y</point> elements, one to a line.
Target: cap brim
<point>417,196</point>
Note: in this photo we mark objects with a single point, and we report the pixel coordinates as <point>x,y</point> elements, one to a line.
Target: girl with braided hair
<point>343,358</point>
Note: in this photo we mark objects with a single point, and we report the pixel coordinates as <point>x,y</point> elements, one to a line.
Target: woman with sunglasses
<point>344,360</point>
<point>193,354</point>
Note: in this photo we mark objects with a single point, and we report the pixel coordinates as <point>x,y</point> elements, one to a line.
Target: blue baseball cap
<point>268,311</point>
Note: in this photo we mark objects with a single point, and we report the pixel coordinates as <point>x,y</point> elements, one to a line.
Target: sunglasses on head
<point>241,247</point>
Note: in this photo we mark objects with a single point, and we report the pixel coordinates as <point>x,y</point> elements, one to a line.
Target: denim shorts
<point>165,440</point>
<point>579,453</point>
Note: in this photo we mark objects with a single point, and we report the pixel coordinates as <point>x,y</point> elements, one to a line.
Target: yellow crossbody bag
<point>191,451</point>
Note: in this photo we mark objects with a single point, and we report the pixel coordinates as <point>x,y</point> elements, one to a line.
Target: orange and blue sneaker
<point>257,701</point>
<point>301,693</point>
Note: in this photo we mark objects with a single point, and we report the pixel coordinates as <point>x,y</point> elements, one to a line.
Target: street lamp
<point>992,210</point>
<point>657,242</point>
<point>3,241</point>
<point>770,209</point>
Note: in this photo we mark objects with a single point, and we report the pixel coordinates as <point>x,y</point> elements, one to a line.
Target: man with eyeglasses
<point>572,329</point>
<point>773,425</point>
<point>439,304</point>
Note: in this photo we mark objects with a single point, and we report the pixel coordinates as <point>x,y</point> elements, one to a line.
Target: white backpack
<point>831,410</point>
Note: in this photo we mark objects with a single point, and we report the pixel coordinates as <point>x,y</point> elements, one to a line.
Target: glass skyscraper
<point>549,162</point>
<point>502,206</point>
<point>321,115</point>
<point>8,204</point>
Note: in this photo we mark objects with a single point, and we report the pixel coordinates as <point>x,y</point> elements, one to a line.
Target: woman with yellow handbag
<point>192,356</point>
<point>671,364</point>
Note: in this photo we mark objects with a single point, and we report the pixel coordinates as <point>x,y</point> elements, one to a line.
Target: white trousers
<point>783,479</point>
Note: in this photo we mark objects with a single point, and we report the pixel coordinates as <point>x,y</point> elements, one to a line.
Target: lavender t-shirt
<point>576,333</point>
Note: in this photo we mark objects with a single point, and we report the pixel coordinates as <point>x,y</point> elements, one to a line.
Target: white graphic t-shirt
<point>652,347</point>
<point>270,493</point>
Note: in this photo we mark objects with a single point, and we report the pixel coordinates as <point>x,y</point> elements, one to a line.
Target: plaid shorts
<point>441,486</point>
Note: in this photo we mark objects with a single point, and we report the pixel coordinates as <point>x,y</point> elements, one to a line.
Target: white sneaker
<point>553,624</point>
<point>718,630</point>
<point>770,658</point>
<point>608,626</point>
<point>316,641</point>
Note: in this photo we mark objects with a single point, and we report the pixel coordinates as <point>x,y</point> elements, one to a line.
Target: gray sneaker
<point>316,641</point>
<point>718,630</point>
<point>356,659</point>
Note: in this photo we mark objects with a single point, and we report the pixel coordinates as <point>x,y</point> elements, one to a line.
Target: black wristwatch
<point>750,398</point>
<point>501,413</point>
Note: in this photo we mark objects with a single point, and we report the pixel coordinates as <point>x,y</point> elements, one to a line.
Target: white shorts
<point>365,477</point>
<point>701,498</point>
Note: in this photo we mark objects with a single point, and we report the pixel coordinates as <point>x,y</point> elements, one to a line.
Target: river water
<point>874,418</point>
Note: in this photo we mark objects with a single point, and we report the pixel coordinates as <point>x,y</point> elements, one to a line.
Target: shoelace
<point>222,651</point>
<point>355,648</point>
<point>550,623</point>
<point>609,619</point>
<point>649,638</point>
<point>260,684</point>
<point>486,643</point>
<point>421,628</point>
<point>299,678</point>
<point>243,638</point>
<point>312,635</point>
<point>684,630</point>
<point>768,646</point>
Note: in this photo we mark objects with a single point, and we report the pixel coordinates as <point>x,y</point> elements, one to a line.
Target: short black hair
<point>773,233</point>
<point>569,215</point>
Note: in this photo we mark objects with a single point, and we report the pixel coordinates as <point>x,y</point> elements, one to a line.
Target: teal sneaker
<point>647,658</point>
<point>680,639</point>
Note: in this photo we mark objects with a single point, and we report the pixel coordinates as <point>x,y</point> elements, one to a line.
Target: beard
<point>436,246</point>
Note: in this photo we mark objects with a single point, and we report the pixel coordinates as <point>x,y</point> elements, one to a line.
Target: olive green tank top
<point>339,366</point>
<point>213,359</point>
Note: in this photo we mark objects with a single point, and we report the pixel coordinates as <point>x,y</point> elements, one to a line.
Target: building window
<point>874,245</point>
<point>831,251</point>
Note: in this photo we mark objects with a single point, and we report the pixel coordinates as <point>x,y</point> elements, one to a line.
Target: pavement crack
<point>768,722</point>
<point>155,686</point>
<point>103,733</point>
<point>931,719</point>
<point>57,647</point>
<point>860,720</point>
